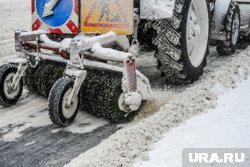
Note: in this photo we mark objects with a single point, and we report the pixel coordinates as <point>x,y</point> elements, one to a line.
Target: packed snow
<point>226,126</point>
<point>13,15</point>
<point>32,112</point>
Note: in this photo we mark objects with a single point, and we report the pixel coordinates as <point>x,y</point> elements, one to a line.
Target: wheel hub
<point>69,110</point>
<point>197,31</point>
<point>194,28</point>
<point>9,92</point>
<point>235,29</point>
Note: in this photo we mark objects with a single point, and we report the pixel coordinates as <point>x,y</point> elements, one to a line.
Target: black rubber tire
<point>172,54</point>
<point>55,102</point>
<point>228,47</point>
<point>100,94</point>
<point>40,80</point>
<point>5,70</point>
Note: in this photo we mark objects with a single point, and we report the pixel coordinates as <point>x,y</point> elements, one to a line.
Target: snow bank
<point>227,126</point>
<point>123,147</point>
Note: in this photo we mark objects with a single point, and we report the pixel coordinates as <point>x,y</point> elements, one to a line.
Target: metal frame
<point>135,85</point>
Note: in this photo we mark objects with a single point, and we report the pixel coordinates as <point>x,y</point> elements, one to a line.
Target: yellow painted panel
<point>102,16</point>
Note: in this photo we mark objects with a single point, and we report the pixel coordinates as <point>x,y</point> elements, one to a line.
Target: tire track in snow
<point>26,131</point>
<point>40,148</point>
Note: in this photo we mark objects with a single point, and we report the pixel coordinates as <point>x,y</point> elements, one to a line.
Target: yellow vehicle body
<point>102,16</point>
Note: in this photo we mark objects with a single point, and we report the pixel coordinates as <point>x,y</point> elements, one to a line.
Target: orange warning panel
<point>102,16</point>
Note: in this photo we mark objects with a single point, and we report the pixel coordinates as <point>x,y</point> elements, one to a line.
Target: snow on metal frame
<point>156,9</point>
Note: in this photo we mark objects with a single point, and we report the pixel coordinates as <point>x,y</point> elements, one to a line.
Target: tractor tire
<point>100,94</point>
<point>232,28</point>
<point>182,51</point>
<point>9,96</point>
<point>40,80</point>
<point>61,114</point>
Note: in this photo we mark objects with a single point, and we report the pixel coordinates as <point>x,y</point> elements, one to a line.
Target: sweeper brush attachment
<point>89,62</point>
<point>76,72</point>
<point>101,92</point>
<point>40,79</point>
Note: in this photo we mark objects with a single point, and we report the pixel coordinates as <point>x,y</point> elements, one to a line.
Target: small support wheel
<point>60,112</point>
<point>8,95</point>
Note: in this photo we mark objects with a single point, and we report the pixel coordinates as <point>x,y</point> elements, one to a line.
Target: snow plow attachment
<point>105,80</point>
<point>56,61</point>
<point>90,61</point>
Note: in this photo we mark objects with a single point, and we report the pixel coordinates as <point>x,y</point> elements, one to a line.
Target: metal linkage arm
<point>131,98</point>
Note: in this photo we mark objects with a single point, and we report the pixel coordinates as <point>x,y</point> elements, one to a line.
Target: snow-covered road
<point>28,138</point>
<point>226,126</point>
